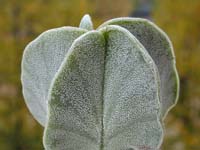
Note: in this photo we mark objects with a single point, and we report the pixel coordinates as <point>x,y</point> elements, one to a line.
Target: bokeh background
<point>23,20</point>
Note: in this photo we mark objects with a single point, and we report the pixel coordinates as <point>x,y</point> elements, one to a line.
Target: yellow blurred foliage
<point>22,21</point>
<point>180,20</point>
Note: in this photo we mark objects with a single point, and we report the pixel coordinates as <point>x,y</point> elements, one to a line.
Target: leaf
<point>40,62</point>
<point>131,100</point>
<point>75,106</point>
<point>160,49</point>
<point>86,23</point>
<point>105,95</point>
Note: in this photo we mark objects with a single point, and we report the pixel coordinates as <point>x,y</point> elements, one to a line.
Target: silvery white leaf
<point>40,62</point>
<point>105,96</point>
<point>160,49</point>
<point>75,105</point>
<point>131,94</point>
<point>86,23</point>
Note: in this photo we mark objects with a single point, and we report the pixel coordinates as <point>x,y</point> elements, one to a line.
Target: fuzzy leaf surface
<point>75,106</point>
<point>40,62</point>
<point>105,95</point>
<point>159,47</point>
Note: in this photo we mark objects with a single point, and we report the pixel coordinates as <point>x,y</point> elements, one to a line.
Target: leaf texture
<point>131,98</point>
<point>75,106</point>
<point>105,95</point>
<point>40,62</point>
<point>160,49</point>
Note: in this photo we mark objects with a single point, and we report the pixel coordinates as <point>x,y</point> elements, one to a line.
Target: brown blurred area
<point>22,21</point>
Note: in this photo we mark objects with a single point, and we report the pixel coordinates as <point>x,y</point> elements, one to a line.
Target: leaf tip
<point>86,22</point>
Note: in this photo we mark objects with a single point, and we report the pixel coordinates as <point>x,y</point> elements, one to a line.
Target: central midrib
<point>102,117</point>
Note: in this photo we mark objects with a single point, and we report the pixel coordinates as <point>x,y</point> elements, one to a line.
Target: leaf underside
<point>105,95</point>
<point>160,49</point>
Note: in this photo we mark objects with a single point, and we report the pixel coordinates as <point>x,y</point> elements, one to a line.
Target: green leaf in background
<point>160,49</point>
<point>41,61</point>
<point>105,95</point>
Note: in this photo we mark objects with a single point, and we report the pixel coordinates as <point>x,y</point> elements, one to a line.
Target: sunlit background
<point>23,20</point>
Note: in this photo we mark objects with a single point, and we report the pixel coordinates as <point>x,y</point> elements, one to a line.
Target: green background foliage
<point>22,21</point>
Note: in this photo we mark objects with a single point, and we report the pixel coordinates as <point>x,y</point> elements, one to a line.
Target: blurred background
<point>23,20</point>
